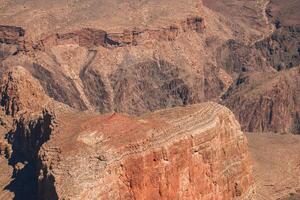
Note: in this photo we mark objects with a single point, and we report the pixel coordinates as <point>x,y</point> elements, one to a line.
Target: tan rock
<point>197,152</point>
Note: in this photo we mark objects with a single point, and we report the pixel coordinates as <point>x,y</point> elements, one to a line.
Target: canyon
<point>126,99</point>
<point>193,152</point>
<point>151,64</point>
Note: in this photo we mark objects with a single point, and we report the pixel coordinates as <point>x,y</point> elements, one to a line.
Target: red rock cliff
<point>197,152</point>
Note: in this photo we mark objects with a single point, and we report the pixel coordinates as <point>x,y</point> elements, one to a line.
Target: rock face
<point>273,104</point>
<point>197,152</point>
<point>25,124</point>
<point>100,70</point>
<point>191,52</point>
<point>193,152</point>
<point>264,94</point>
<point>15,94</point>
<point>11,34</point>
<point>162,57</point>
<point>11,40</point>
<point>92,37</point>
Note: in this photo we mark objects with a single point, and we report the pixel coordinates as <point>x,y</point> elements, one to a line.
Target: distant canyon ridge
<point>105,99</point>
<point>200,54</point>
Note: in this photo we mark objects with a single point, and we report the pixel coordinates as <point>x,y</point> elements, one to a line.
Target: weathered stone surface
<point>11,34</point>
<point>267,102</point>
<point>110,64</point>
<point>25,124</point>
<point>19,92</point>
<point>197,152</point>
<point>194,152</point>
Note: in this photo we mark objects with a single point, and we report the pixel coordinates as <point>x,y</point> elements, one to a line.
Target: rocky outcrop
<point>57,85</point>
<point>264,94</point>
<point>149,86</point>
<point>20,92</point>
<point>279,51</point>
<point>170,33</point>
<point>11,40</point>
<point>89,37</point>
<point>11,34</point>
<point>266,102</point>
<point>26,123</point>
<point>91,86</point>
<point>197,152</point>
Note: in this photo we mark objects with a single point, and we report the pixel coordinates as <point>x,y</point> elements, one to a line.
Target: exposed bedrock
<point>29,134</point>
<point>149,85</point>
<point>197,152</point>
<point>23,102</point>
<point>266,102</point>
<point>193,152</point>
<point>265,94</point>
<point>89,37</point>
<point>57,85</point>
<point>279,51</point>
<point>11,40</point>
<point>96,90</point>
<point>20,92</point>
<point>11,35</point>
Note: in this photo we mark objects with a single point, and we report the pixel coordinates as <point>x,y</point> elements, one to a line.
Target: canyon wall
<point>132,71</point>
<point>192,152</point>
<point>204,54</point>
<point>192,53</point>
<point>197,152</point>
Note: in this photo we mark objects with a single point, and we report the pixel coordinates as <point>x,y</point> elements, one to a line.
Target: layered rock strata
<point>193,152</point>
<point>92,37</point>
<point>197,152</point>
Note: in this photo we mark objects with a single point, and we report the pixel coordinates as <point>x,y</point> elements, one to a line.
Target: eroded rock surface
<point>197,152</point>
<point>193,152</point>
<point>273,104</point>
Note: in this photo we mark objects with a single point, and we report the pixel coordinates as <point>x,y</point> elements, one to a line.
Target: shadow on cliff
<point>26,141</point>
<point>24,183</point>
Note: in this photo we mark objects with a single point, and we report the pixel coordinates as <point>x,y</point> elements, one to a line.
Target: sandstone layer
<point>55,152</point>
<point>197,152</point>
<point>137,57</point>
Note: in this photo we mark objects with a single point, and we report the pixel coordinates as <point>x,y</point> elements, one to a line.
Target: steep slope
<point>265,94</point>
<point>56,152</point>
<point>247,18</point>
<point>23,107</point>
<point>264,102</point>
<point>99,70</point>
<point>197,152</point>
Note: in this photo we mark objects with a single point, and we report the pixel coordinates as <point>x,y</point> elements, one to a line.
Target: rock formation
<point>70,68</point>
<point>64,76</point>
<point>197,152</point>
<point>265,94</point>
<point>92,37</point>
<point>152,63</point>
<point>273,104</point>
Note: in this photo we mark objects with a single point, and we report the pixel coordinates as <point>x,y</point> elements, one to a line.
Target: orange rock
<point>197,152</point>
